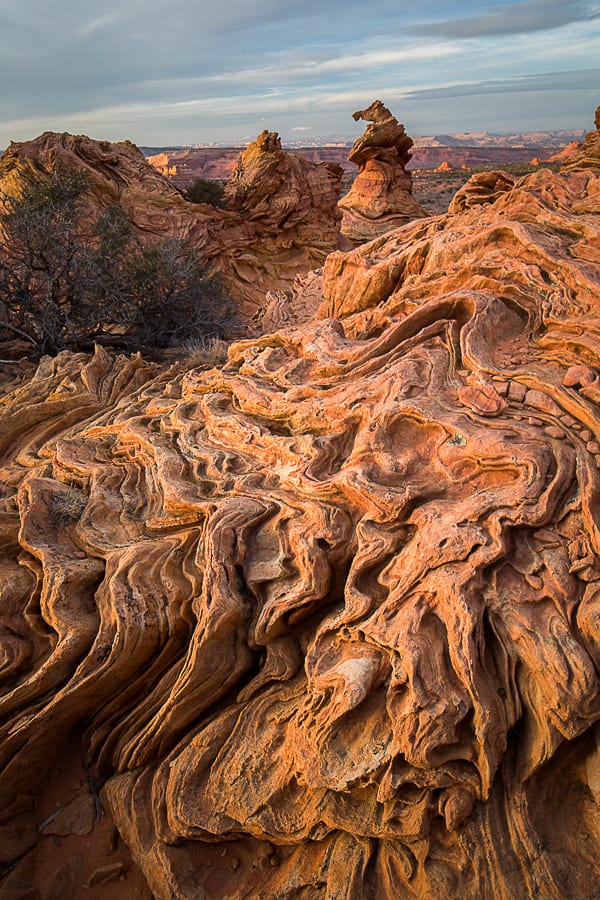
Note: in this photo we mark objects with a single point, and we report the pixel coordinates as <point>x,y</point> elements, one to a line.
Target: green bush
<point>68,282</point>
<point>203,190</point>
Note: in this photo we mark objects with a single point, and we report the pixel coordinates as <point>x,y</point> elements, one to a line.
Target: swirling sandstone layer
<point>287,227</point>
<point>325,621</point>
<point>381,197</point>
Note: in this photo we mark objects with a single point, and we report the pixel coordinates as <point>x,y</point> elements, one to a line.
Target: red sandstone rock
<point>326,619</point>
<point>381,196</point>
<point>481,189</point>
<point>287,226</point>
<point>567,152</point>
<point>588,155</point>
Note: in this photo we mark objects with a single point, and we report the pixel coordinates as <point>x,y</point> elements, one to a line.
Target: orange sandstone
<point>381,197</point>
<point>325,620</point>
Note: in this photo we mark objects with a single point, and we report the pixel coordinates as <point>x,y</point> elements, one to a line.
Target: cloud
<point>517,18</point>
<point>194,71</point>
<point>580,80</point>
<point>99,23</point>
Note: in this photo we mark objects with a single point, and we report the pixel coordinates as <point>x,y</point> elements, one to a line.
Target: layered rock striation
<point>324,621</point>
<point>588,155</point>
<point>286,227</point>
<point>381,197</point>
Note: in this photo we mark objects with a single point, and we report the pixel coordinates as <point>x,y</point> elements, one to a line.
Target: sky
<point>193,71</point>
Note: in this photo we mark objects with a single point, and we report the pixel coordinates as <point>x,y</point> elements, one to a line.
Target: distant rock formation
<point>285,226</point>
<point>588,155</point>
<point>567,152</point>
<point>323,622</point>
<point>444,166</point>
<point>381,197</point>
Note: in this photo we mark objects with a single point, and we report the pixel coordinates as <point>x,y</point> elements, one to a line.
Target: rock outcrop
<point>567,152</point>
<point>381,197</point>
<point>289,199</point>
<point>324,622</point>
<point>290,230</point>
<point>588,155</point>
<point>481,189</point>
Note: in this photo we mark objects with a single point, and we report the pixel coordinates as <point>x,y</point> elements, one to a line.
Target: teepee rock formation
<point>381,197</point>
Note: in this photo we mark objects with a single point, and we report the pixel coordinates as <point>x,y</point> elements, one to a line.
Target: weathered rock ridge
<point>325,621</point>
<point>588,155</point>
<point>381,196</point>
<point>287,228</point>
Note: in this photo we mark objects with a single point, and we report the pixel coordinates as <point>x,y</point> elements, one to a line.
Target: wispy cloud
<point>192,71</point>
<point>517,18</point>
<point>99,23</point>
<point>580,80</point>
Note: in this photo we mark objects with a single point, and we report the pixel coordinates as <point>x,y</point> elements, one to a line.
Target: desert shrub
<point>205,190</point>
<point>67,506</point>
<point>67,281</point>
<point>204,352</point>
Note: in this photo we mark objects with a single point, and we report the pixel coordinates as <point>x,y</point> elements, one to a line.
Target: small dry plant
<point>204,352</point>
<point>67,506</point>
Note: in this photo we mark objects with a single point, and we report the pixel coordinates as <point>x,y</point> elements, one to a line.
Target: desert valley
<point>300,519</point>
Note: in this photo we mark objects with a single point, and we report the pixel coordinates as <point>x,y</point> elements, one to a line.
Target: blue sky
<point>188,71</point>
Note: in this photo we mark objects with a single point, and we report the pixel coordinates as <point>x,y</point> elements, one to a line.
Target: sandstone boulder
<point>381,197</point>
<point>481,189</point>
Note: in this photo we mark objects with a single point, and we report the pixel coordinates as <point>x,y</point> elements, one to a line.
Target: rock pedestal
<point>381,197</point>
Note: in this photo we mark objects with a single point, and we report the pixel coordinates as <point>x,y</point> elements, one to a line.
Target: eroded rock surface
<point>481,189</point>
<point>381,196</point>
<point>326,619</point>
<point>588,155</point>
<point>286,227</point>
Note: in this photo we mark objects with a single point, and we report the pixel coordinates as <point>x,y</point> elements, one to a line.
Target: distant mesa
<point>381,197</point>
<point>588,155</point>
<point>444,167</point>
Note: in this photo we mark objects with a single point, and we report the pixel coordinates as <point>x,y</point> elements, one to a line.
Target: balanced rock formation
<point>588,155</point>
<point>324,622</point>
<point>288,226</point>
<point>381,197</point>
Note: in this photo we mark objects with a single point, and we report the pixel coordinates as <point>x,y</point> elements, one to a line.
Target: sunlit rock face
<point>283,222</point>
<point>481,189</point>
<point>588,155</point>
<point>381,197</point>
<point>326,619</point>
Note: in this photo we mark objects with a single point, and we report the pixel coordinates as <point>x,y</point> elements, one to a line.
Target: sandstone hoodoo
<point>323,622</point>
<point>381,197</point>
<point>292,203</point>
<point>588,155</point>
<point>283,223</point>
